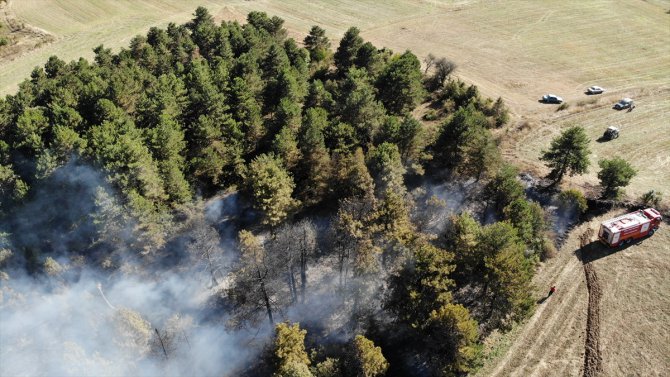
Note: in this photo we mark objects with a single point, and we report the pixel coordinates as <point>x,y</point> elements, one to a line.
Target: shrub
<point>651,198</point>
<point>430,115</point>
<point>569,198</point>
<point>548,250</point>
<point>563,106</point>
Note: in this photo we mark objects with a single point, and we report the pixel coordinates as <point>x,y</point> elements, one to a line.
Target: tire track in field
<point>557,317</point>
<point>592,356</point>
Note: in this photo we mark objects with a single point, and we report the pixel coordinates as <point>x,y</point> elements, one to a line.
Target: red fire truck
<point>624,229</point>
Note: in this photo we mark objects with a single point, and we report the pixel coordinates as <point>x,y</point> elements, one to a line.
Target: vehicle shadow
<point>596,250</point>
<point>602,139</point>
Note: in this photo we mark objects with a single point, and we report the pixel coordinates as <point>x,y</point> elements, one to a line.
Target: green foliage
<point>614,173</point>
<point>651,198</point>
<point>503,188</point>
<point>393,217</point>
<point>572,199</point>
<point>271,187</point>
<point>407,133</point>
<point>399,84</point>
<point>528,220</point>
<point>289,350</point>
<point>465,143</point>
<point>346,53</point>
<point>207,107</point>
<point>316,164</point>
<point>12,188</point>
<point>286,147</point>
<point>367,359</point>
<point>454,335</point>
<point>463,238</point>
<point>351,175</point>
<point>507,274</point>
<point>359,106</point>
<point>317,44</point>
<point>30,127</point>
<point>328,368</point>
<point>568,154</point>
<point>386,167</point>
<point>293,369</point>
<point>422,286</point>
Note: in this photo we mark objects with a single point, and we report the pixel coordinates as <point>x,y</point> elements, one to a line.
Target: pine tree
<point>271,187</point>
<point>346,53</point>
<point>568,154</point>
<point>317,43</point>
<point>453,336</point>
<point>289,344</point>
<point>367,359</point>
<point>614,173</point>
<point>399,84</point>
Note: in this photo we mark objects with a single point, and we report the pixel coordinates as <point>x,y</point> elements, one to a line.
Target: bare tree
<point>206,246</point>
<point>443,68</point>
<point>293,245</point>
<point>256,286</point>
<point>429,61</point>
<point>171,337</point>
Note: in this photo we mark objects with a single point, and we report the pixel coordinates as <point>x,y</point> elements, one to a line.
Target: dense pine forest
<point>222,200</point>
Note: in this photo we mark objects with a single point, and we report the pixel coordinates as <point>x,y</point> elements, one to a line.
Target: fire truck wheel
<point>651,232</point>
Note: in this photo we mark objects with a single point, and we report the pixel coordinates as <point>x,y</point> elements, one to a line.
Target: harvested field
<point>20,37</point>
<point>644,139</point>
<point>515,49</point>
<point>633,323</point>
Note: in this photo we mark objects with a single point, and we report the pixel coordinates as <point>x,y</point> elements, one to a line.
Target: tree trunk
<point>268,307</point>
<point>291,285</point>
<point>266,297</point>
<point>303,276</point>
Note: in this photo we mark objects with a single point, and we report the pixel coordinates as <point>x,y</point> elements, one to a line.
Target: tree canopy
<point>568,154</point>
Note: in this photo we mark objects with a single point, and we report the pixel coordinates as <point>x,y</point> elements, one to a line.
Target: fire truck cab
<point>624,229</point>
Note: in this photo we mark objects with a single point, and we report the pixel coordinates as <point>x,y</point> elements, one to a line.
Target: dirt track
<point>551,343</point>
<point>628,330</point>
<point>592,356</point>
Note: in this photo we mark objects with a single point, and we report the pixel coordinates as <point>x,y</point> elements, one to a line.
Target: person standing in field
<point>552,290</point>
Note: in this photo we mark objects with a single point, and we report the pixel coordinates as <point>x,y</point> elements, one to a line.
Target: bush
<point>651,198</point>
<point>563,106</point>
<point>548,250</point>
<point>569,198</point>
<point>430,115</point>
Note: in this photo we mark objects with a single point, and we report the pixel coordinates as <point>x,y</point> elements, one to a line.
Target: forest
<point>216,200</point>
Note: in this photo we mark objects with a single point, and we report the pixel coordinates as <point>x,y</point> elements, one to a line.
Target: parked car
<point>551,98</point>
<point>594,90</point>
<point>625,103</point>
<point>611,133</point>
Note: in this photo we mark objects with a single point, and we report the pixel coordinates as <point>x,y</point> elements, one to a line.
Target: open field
<point>634,321</point>
<point>515,49</point>
<point>644,140</point>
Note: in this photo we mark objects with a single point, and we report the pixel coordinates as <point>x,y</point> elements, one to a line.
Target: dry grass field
<point>644,140</point>
<point>634,317</point>
<point>515,49</point>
